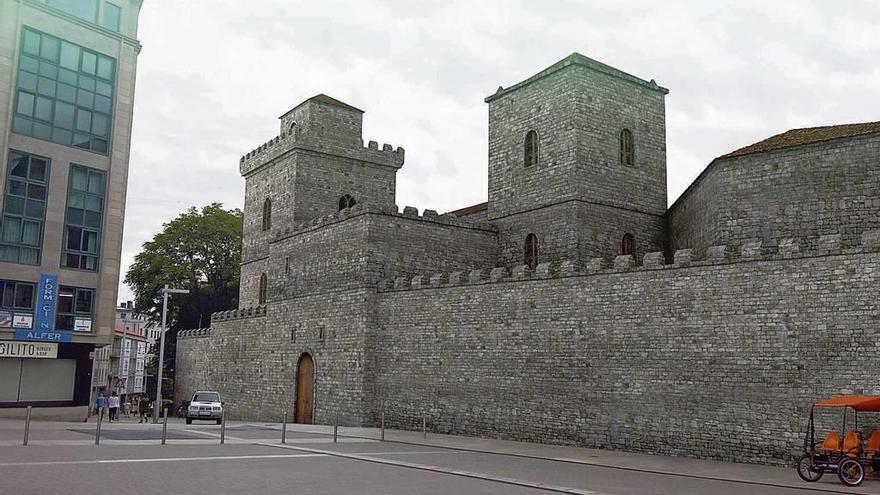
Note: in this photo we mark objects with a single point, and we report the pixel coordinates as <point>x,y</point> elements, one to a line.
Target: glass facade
<point>64,93</point>
<point>75,306</point>
<point>16,295</point>
<point>24,209</point>
<point>112,16</point>
<point>84,215</point>
<point>84,9</point>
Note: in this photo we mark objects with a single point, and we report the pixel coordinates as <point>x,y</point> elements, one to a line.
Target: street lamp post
<point>165,291</point>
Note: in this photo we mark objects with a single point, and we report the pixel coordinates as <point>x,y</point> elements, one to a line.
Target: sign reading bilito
<point>28,350</point>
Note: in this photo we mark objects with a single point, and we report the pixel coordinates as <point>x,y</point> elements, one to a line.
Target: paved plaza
<point>61,458</point>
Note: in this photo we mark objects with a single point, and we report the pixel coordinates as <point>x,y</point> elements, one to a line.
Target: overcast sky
<point>214,75</point>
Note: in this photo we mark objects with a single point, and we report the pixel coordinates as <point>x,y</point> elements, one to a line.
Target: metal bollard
<point>27,425</point>
<point>424,425</point>
<point>98,428</point>
<point>336,428</point>
<point>383,422</point>
<point>223,429</point>
<point>284,427</point>
<point>164,424</point>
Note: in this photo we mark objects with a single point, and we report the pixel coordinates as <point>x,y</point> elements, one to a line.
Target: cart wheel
<point>850,472</point>
<point>806,470</point>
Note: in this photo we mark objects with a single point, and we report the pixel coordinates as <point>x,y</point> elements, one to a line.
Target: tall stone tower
<point>316,166</point>
<point>577,157</point>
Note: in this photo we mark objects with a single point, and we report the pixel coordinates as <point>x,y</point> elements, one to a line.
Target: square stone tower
<point>577,157</point>
<point>316,166</point>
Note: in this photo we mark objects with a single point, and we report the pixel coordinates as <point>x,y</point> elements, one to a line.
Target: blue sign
<point>44,336</point>
<point>47,300</point>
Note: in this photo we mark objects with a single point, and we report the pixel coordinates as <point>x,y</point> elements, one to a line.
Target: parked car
<point>205,406</point>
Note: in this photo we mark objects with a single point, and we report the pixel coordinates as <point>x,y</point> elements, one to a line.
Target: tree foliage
<point>200,250</point>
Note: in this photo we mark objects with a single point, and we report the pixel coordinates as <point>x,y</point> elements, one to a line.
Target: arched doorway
<point>305,389</point>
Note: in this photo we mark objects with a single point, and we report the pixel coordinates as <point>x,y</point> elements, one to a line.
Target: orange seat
<point>874,443</point>
<point>852,444</point>
<point>831,443</point>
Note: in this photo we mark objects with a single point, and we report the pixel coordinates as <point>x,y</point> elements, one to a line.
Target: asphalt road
<point>254,463</point>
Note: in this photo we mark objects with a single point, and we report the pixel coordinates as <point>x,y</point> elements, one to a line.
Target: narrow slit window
<point>530,255</point>
<point>627,148</point>
<point>531,149</point>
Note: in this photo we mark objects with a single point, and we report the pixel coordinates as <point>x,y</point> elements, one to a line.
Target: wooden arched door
<point>305,389</point>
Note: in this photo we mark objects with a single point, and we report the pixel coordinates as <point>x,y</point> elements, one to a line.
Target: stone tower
<point>577,157</point>
<point>316,166</point>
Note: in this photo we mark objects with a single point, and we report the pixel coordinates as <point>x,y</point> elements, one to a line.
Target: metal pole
<point>284,427</point>
<point>336,427</point>
<point>164,424</point>
<point>223,430</point>
<point>383,421</point>
<point>161,352</point>
<point>98,427</point>
<point>424,425</point>
<point>27,425</point>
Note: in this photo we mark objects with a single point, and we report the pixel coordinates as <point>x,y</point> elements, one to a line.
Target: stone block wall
<point>359,246</point>
<point>715,356</point>
<point>250,356</point>
<point>807,191</point>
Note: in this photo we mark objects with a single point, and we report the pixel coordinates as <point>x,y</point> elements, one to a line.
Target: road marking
<point>161,459</point>
<point>367,457</point>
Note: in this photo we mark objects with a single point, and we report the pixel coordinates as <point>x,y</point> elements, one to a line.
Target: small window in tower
<point>531,149</point>
<point>267,214</point>
<point>530,251</point>
<point>628,245</point>
<point>346,201</point>
<point>262,295</point>
<point>627,148</point>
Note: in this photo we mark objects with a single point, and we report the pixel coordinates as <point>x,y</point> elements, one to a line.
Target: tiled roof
<point>327,100</point>
<point>470,210</point>
<point>583,61</point>
<point>810,135</point>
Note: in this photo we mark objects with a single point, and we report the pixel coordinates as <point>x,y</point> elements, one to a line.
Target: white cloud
<point>214,75</point>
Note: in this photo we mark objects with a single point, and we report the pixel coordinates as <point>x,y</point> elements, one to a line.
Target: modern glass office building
<point>67,80</point>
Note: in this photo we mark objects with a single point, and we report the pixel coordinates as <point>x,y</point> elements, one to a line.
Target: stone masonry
<point>709,334</point>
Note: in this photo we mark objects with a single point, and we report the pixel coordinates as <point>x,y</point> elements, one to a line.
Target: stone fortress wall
<point>750,298</point>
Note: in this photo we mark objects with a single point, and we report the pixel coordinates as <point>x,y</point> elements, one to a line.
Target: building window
<point>346,201</point>
<point>267,214</point>
<point>627,148</point>
<point>287,265</point>
<point>531,149</point>
<point>16,295</point>
<point>628,245</point>
<point>85,211</point>
<point>24,209</point>
<point>530,251</point>
<point>112,16</point>
<point>75,307</point>
<point>261,298</point>
<point>84,9</point>
<point>64,93</point>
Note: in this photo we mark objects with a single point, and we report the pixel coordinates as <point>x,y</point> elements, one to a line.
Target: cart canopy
<point>857,402</point>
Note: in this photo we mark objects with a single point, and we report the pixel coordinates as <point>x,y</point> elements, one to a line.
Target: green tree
<point>200,250</point>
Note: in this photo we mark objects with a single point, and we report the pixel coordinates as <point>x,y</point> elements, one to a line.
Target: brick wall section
<point>807,191</point>
<point>359,247</point>
<point>252,361</point>
<point>716,360</point>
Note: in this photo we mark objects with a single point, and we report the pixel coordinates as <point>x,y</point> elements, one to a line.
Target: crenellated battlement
<point>409,212</point>
<point>238,314</point>
<point>824,245</point>
<point>295,138</point>
<point>194,333</point>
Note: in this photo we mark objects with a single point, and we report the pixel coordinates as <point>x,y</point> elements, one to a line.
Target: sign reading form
<point>36,350</point>
<point>47,301</point>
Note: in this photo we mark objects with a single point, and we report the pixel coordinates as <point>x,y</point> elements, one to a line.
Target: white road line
<point>160,459</point>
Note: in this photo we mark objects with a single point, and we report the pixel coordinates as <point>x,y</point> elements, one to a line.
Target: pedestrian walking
<point>143,407</point>
<point>99,404</point>
<point>113,404</point>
